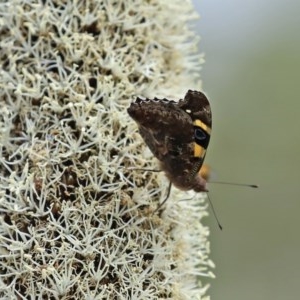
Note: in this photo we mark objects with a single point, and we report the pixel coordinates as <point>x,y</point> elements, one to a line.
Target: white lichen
<point>75,222</point>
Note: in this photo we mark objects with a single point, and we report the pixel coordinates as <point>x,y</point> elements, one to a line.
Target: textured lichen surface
<point>76,222</point>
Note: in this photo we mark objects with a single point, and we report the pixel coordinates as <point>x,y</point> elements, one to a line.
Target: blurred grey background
<point>251,75</point>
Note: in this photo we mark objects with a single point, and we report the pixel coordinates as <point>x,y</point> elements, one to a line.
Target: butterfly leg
<point>165,200</point>
<point>147,170</point>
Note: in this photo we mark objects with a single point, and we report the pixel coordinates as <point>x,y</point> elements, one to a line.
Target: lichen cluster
<point>75,221</point>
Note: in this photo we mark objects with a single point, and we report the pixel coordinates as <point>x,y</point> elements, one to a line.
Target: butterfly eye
<point>199,134</point>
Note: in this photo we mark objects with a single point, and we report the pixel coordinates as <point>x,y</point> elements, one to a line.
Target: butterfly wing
<point>164,128</point>
<point>197,106</point>
<point>177,133</point>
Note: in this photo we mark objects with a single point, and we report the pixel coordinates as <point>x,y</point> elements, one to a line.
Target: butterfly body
<point>178,134</point>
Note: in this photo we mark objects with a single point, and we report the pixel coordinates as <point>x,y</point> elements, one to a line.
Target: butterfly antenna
<point>234,183</point>
<point>214,212</point>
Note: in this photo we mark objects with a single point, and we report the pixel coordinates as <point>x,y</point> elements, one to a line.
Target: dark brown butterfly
<point>178,134</point>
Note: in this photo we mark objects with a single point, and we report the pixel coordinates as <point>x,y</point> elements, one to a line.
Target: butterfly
<point>178,135</point>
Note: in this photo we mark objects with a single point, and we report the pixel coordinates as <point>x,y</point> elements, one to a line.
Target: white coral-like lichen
<point>76,223</point>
